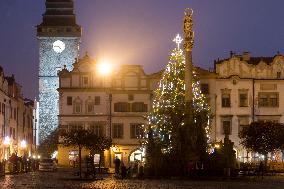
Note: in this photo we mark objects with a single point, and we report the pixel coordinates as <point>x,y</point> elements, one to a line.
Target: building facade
<point>243,89</point>
<point>59,38</point>
<point>111,105</point>
<point>16,119</point>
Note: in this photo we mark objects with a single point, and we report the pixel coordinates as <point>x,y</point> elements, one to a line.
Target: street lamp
<point>104,69</point>
<point>23,144</point>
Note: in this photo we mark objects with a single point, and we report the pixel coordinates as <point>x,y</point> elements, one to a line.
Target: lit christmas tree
<point>168,111</point>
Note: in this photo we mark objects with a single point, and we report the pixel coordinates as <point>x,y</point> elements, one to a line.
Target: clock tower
<point>59,38</point>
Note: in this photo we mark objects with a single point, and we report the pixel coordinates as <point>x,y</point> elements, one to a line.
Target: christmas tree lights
<point>168,110</point>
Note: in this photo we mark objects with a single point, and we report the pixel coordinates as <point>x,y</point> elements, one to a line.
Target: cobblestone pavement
<point>64,179</point>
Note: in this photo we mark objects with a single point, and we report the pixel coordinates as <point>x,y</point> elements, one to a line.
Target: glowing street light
<point>23,144</point>
<point>104,68</point>
<point>7,141</point>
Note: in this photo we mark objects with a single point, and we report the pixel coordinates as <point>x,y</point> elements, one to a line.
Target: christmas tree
<point>167,116</point>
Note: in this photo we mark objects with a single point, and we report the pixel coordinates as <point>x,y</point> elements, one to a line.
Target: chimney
<point>246,56</point>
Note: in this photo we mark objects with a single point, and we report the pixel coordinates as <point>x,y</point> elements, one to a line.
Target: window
<point>243,98</point>
<point>243,122</point>
<point>97,100</point>
<point>130,97</point>
<point>139,107</point>
<point>69,100</point>
<point>85,80</point>
<point>266,99</point>
<point>99,129</point>
<point>122,107</point>
<point>227,127</point>
<point>117,130</point>
<point>226,100</point>
<point>278,75</point>
<point>204,88</point>
<point>75,126</point>
<point>136,130</point>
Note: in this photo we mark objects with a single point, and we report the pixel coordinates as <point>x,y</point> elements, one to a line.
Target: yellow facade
<point>123,152</point>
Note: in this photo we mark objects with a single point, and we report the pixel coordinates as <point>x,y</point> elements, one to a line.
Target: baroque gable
<point>252,67</point>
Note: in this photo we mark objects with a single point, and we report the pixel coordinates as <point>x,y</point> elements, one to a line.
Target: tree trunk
<point>80,162</point>
<point>265,161</point>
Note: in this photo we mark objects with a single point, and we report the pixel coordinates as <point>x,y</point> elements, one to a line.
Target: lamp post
<point>104,69</point>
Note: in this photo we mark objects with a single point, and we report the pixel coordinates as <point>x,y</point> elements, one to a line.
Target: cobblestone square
<point>64,178</point>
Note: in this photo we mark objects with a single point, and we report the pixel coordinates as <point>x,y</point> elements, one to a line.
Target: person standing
<point>117,165</point>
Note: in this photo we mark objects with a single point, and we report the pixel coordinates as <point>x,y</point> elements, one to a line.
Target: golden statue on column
<point>188,45</point>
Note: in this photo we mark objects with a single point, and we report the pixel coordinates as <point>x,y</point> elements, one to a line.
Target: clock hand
<point>57,46</point>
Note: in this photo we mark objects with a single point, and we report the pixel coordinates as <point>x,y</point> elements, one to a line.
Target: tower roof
<point>59,19</point>
<point>59,13</point>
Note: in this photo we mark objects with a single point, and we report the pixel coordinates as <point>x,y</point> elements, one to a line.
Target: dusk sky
<point>141,32</point>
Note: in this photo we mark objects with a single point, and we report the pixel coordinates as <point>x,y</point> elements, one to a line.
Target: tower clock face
<point>58,46</point>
